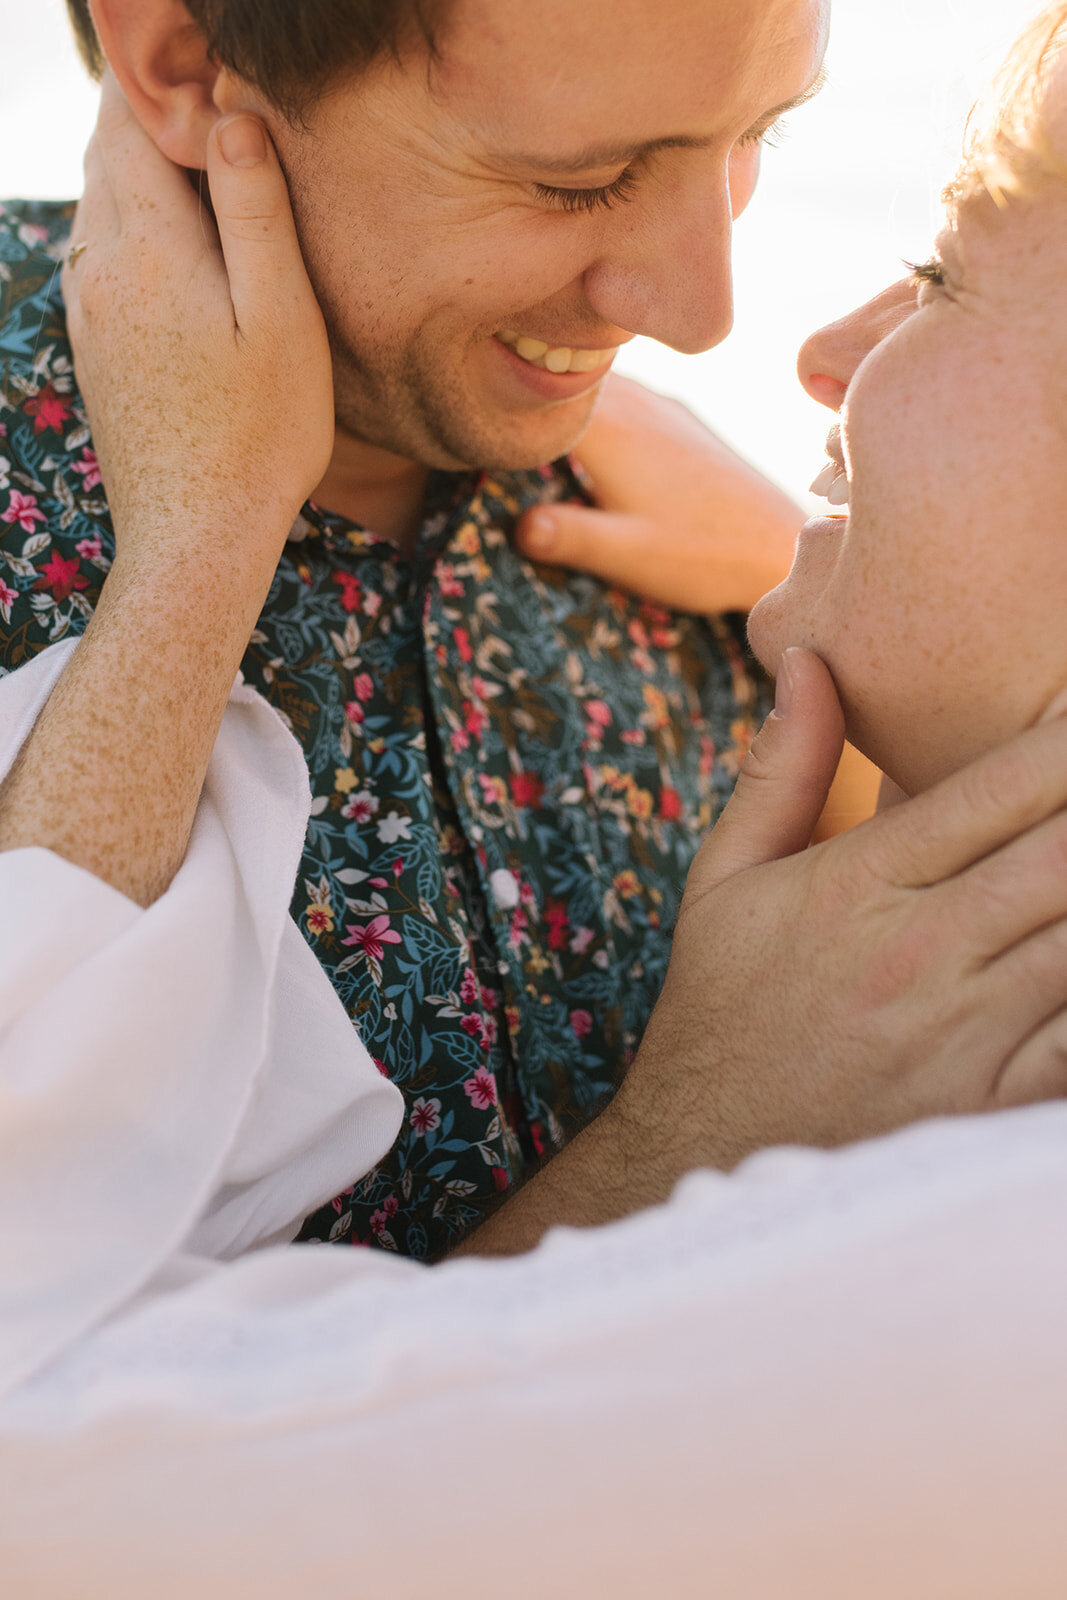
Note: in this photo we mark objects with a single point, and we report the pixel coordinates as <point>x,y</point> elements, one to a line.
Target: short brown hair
<point>291,50</point>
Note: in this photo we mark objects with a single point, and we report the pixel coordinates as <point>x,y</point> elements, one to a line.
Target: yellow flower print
<point>344,780</point>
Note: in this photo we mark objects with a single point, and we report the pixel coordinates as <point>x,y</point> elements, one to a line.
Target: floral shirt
<point>511,769</point>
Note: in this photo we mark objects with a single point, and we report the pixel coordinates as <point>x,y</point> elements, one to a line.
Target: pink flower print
<point>475,718</point>
<point>8,596</point>
<point>372,938</point>
<point>598,711</point>
<point>90,549</point>
<point>582,939</point>
<point>391,1205</point>
<point>48,409</point>
<point>472,1024</point>
<point>351,590</point>
<point>354,712</point>
<point>89,468</point>
<point>372,604</point>
<point>364,686</point>
<point>61,577</point>
<point>481,1090</point>
<point>378,1223</point>
<point>425,1117</point>
<point>468,989</point>
<point>459,739</point>
<point>360,807</point>
<point>448,583</point>
<point>380,1064</point>
<point>22,508</point>
<point>581,1023</point>
<point>489,1032</point>
<point>398,867</point>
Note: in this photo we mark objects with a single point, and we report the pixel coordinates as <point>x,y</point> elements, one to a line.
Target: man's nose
<point>828,360</point>
<point>668,276</point>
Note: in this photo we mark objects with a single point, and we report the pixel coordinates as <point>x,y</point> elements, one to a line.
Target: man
<point>488,883</point>
<point>511,770</point>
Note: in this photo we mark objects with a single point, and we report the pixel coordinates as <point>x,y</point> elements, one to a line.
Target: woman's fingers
<point>146,186</point>
<point>268,280</point>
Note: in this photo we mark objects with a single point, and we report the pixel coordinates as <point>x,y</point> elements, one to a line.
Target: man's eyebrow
<point>615,155</point>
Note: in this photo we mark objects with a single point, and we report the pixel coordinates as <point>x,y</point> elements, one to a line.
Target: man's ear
<point>160,57</point>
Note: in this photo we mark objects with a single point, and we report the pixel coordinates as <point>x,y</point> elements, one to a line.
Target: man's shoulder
<point>55,532</point>
<point>33,236</point>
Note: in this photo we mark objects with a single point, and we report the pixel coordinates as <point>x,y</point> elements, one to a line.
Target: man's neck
<point>382,492</point>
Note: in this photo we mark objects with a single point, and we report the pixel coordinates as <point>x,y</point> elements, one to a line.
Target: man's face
<point>447,209</point>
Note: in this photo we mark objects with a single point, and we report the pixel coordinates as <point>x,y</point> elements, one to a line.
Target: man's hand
<point>203,360</point>
<point>916,966</point>
<point>679,518</point>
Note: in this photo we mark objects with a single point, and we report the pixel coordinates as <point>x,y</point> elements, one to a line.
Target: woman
<point>828,1374</point>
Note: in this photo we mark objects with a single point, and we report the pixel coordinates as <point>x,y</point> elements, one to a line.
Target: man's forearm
<point>112,773</point>
<point>624,1161</point>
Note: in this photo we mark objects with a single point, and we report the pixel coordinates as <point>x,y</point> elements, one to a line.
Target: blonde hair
<point>1009,150</point>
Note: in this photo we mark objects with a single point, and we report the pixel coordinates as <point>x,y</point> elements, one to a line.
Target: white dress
<point>832,1375</point>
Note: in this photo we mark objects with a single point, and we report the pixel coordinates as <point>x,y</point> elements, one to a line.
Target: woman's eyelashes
<point>927,272</point>
<point>625,185</point>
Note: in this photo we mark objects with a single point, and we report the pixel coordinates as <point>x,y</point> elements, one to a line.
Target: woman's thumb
<point>785,776</point>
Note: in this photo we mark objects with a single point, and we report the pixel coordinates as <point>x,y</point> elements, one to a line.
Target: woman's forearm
<point>111,774</point>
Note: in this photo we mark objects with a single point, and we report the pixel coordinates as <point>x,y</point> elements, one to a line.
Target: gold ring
<point>75,252</point>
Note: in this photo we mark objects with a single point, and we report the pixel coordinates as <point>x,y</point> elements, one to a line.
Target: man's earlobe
<point>160,57</point>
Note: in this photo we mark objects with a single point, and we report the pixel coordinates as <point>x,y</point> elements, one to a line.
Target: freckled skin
<point>940,608</point>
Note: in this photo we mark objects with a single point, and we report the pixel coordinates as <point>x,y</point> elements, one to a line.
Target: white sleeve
<point>825,1377</point>
<point>176,1078</point>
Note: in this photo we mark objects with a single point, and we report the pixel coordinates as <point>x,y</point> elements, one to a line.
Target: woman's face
<point>940,600</point>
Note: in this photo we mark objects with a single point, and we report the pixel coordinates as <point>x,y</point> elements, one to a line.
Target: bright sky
<point>851,191</point>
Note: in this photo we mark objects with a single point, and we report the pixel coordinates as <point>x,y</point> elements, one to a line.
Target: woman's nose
<point>828,360</point>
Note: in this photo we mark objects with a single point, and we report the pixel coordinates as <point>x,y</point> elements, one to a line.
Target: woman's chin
<point>767,633</point>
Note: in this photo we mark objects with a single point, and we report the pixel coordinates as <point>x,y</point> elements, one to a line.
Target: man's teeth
<point>833,484</point>
<point>562,359</point>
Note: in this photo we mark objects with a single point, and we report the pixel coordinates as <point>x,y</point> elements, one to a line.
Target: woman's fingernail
<point>540,530</point>
<point>243,142</point>
<point>783,687</point>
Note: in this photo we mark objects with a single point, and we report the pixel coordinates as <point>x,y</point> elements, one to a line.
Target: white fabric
<point>181,1077</point>
<point>827,1375</point>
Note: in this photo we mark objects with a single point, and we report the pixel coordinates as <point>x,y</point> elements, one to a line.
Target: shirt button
<point>504,889</point>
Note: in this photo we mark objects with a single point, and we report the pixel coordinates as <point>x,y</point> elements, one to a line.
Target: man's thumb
<point>785,777</point>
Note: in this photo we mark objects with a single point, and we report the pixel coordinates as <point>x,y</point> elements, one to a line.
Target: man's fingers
<point>784,779</point>
<point>974,812</point>
<point>1012,893</point>
<point>255,223</point>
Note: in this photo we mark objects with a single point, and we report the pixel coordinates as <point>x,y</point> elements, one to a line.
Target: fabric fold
<point>142,1099</point>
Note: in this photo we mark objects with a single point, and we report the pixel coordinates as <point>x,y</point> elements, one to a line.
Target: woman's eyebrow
<point>616,154</point>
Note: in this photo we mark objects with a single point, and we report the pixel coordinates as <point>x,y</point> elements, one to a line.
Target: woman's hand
<point>203,360</point>
<point>679,518</point>
<point>199,347</point>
